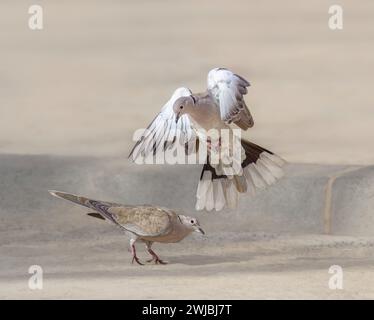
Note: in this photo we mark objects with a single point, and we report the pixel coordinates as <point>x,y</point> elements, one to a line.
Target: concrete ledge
<point>297,204</point>
<point>353,203</point>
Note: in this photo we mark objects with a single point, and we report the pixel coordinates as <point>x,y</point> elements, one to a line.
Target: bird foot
<point>135,258</point>
<point>157,260</point>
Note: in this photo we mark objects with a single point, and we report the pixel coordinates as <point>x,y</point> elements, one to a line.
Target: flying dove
<point>144,223</point>
<point>185,120</point>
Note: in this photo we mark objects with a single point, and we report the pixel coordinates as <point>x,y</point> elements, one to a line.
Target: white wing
<point>164,132</point>
<point>228,90</point>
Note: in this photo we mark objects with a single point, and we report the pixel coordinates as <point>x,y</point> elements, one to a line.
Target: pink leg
<point>155,257</point>
<point>133,251</point>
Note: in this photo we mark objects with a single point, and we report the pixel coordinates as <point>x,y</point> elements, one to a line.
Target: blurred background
<point>101,69</point>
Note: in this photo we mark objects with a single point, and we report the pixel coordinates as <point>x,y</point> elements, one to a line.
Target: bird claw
<point>137,261</point>
<point>157,261</point>
<point>155,257</point>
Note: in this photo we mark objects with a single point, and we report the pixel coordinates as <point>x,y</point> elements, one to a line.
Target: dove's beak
<point>177,116</point>
<point>198,229</point>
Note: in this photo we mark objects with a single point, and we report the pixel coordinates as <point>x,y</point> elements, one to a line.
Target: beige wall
<point>101,69</point>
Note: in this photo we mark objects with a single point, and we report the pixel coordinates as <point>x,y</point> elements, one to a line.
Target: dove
<point>145,223</point>
<point>186,120</point>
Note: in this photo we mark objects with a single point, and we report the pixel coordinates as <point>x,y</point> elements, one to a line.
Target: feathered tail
<point>99,206</point>
<point>260,168</point>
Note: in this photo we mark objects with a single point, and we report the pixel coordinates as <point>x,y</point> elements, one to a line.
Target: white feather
<point>276,159</point>
<point>265,173</point>
<point>202,189</point>
<point>256,177</point>
<point>209,204</point>
<point>272,166</point>
<point>250,185</point>
<point>164,128</point>
<point>224,86</point>
<point>219,196</point>
<point>231,194</point>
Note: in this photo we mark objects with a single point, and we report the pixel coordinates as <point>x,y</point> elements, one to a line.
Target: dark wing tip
<point>96,215</point>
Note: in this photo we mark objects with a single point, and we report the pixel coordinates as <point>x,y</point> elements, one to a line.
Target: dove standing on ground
<point>186,118</point>
<point>145,223</point>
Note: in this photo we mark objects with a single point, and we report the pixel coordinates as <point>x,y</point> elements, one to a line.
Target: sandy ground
<point>101,69</point>
<point>270,247</point>
<point>224,266</point>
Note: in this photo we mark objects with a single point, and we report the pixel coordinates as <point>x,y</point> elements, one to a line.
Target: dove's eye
<point>181,107</point>
<point>192,222</point>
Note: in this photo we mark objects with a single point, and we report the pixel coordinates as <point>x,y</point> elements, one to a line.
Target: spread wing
<point>228,90</point>
<point>164,132</point>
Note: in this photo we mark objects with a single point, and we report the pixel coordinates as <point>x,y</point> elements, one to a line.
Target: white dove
<point>187,118</point>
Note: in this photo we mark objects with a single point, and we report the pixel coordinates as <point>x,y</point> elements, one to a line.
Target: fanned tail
<point>260,168</point>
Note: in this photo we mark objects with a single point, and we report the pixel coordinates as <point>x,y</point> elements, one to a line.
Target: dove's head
<point>191,223</point>
<point>183,105</point>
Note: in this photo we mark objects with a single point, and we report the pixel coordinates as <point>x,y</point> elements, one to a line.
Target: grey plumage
<point>145,223</point>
